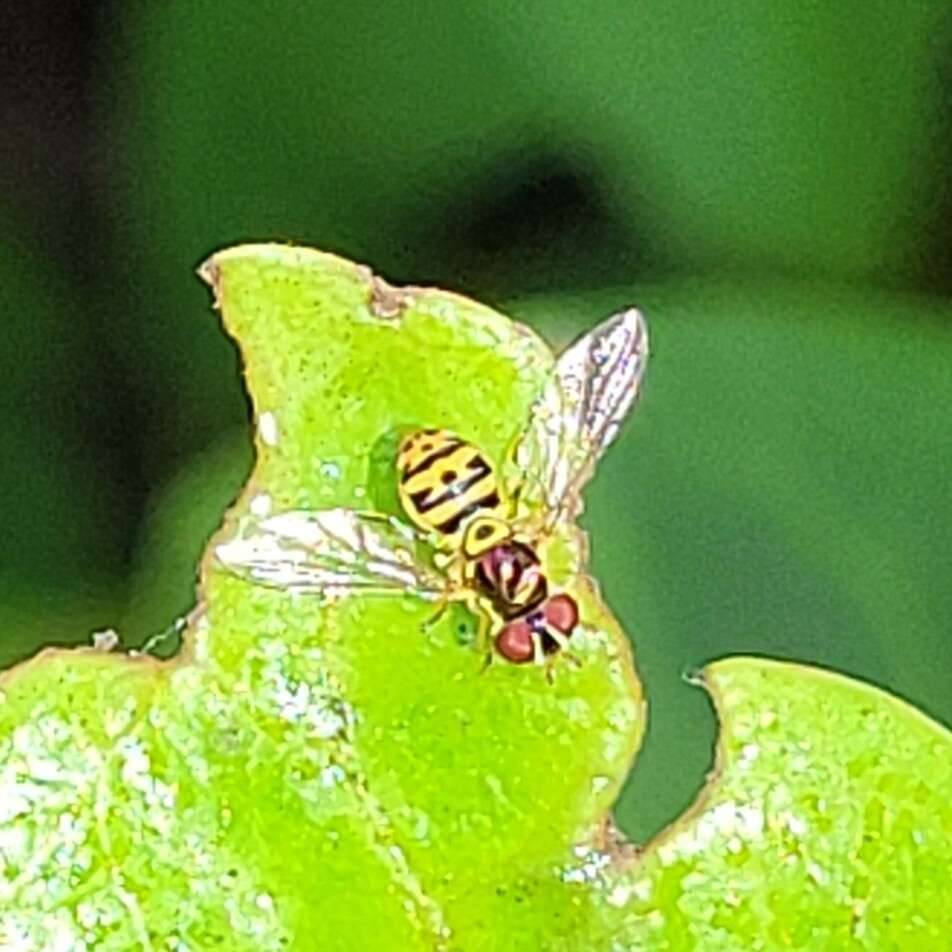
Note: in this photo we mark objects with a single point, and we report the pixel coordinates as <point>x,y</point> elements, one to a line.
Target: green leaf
<point>340,776</point>
<point>827,825</point>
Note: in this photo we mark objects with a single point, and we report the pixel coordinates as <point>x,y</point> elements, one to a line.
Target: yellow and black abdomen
<point>445,481</point>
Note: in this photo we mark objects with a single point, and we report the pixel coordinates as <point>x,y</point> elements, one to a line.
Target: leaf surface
<point>342,776</point>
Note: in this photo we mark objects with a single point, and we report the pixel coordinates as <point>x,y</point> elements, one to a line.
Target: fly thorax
<point>511,577</point>
<point>483,534</point>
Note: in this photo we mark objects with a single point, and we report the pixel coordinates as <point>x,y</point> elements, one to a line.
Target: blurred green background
<point>770,182</point>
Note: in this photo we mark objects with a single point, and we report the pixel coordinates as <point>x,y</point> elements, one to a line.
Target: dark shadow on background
<point>539,219</point>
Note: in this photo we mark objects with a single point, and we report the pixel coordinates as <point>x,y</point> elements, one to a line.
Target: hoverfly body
<point>489,531</point>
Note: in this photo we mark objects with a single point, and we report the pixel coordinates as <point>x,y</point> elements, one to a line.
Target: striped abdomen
<point>444,481</point>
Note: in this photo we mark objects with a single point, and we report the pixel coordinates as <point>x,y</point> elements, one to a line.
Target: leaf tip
<point>387,301</point>
<point>210,272</point>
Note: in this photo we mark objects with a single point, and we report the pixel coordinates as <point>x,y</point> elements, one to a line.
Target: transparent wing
<point>577,416</point>
<point>331,553</point>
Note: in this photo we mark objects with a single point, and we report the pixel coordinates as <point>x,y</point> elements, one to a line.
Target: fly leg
<point>449,594</point>
<point>550,660</point>
<point>547,661</point>
<point>563,642</point>
<point>538,652</point>
<point>484,641</point>
<point>441,609</point>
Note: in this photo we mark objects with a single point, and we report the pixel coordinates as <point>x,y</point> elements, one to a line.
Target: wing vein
<point>578,415</point>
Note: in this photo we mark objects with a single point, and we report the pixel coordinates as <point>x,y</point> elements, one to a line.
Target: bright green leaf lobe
<point>340,776</point>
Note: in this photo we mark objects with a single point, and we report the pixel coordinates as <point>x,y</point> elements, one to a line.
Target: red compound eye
<point>561,612</point>
<point>514,642</point>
